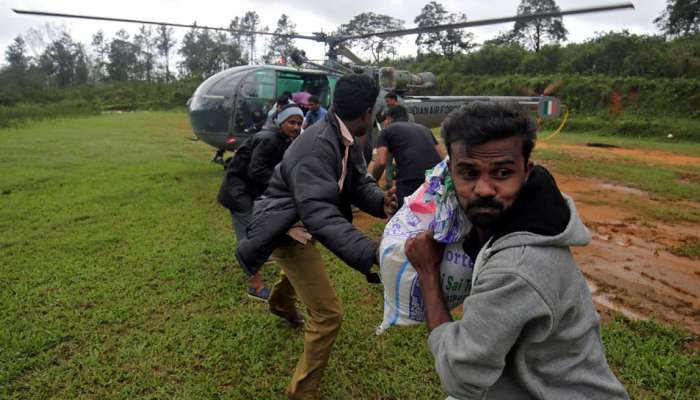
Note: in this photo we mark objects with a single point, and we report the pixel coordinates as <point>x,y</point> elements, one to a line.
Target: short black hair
<point>354,94</point>
<point>391,95</point>
<point>282,100</point>
<point>314,100</point>
<point>397,113</point>
<point>288,94</point>
<point>480,122</point>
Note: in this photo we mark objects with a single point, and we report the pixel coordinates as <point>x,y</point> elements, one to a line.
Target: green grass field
<point>118,281</point>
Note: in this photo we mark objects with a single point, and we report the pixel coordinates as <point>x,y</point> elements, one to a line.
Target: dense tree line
<point>619,54</point>
<point>529,48</point>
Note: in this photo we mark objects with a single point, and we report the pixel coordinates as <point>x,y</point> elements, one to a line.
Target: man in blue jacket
<point>316,112</point>
<point>529,328</point>
<point>322,174</point>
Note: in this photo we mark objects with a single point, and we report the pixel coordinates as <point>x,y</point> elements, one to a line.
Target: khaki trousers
<point>304,274</point>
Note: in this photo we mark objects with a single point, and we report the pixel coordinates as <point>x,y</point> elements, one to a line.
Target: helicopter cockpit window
<point>257,90</point>
<point>226,86</point>
<point>260,84</point>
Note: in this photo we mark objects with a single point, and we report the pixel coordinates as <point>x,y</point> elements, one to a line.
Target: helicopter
<point>231,105</point>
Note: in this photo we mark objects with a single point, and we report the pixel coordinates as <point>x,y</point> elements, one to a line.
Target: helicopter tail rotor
<point>549,90</point>
<point>552,87</point>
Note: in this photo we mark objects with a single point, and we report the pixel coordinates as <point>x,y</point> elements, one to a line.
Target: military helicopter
<point>231,105</point>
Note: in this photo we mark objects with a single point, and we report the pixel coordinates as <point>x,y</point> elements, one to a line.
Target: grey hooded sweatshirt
<point>529,329</point>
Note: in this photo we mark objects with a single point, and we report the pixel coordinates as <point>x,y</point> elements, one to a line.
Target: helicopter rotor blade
<point>138,21</point>
<point>491,21</point>
<point>345,52</point>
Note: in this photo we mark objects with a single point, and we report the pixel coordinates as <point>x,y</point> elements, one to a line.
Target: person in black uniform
<point>249,172</point>
<point>412,145</point>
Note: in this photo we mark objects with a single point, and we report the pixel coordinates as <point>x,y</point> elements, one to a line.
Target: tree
<point>449,42</point>
<point>145,47</point>
<point>100,47</point>
<point>16,55</point>
<point>369,22</point>
<point>680,18</point>
<point>204,54</point>
<point>534,33</point>
<point>164,43</point>
<point>250,22</point>
<point>122,57</point>
<point>281,47</point>
<point>64,62</point>
<point>231,51</point>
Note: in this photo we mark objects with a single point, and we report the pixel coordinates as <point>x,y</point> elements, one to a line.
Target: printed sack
<point>432,207</point>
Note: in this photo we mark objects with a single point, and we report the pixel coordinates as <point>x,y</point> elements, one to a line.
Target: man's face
<point>488,177</point>
<point>291,126</point>
<point>314,106</point>
<point>390,101</point>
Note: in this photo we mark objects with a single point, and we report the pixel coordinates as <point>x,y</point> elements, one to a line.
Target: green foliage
<point>122,58</point>
<point>615,54</point>
<point>90,99</point>
<point>680,18</point>
<point>281,47</point>
<point>205,53</point>
<point>534,33</point>
<point>369,22</point>
<point>447,43</point>
<point>16,55</point>
<point>654,360</point>
<point>64,62</point>
<point>690,248</point>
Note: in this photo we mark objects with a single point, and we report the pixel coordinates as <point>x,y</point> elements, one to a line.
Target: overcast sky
<point>309,16</point>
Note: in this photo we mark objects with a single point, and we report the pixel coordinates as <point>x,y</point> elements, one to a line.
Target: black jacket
<point>304,187</point>
<point>249,172</point>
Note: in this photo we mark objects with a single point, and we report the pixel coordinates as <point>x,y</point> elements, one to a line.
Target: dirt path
<point>647,156</point>
<point>628,265</point>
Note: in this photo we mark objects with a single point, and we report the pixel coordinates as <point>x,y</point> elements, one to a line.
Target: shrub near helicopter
<point>231,105</point>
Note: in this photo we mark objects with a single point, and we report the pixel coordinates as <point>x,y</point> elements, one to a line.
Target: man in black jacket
<point>309,196</point>
<point>249,172</point>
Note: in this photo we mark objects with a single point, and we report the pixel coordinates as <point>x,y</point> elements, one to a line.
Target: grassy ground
<point>118,281</point>
<point>671,185</point>
<point>672,145</point>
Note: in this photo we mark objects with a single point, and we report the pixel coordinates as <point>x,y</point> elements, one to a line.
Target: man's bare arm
<point>379,162</point>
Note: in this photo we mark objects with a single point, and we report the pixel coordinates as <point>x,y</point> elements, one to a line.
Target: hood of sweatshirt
<point>541,216</point>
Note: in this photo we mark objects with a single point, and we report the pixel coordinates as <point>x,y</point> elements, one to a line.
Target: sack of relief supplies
<point>432,207</point>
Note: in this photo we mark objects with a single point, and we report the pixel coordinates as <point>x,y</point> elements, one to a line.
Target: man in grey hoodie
<point>529,329</point>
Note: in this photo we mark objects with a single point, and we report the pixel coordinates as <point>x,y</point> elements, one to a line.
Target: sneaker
<point>262,294</point>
